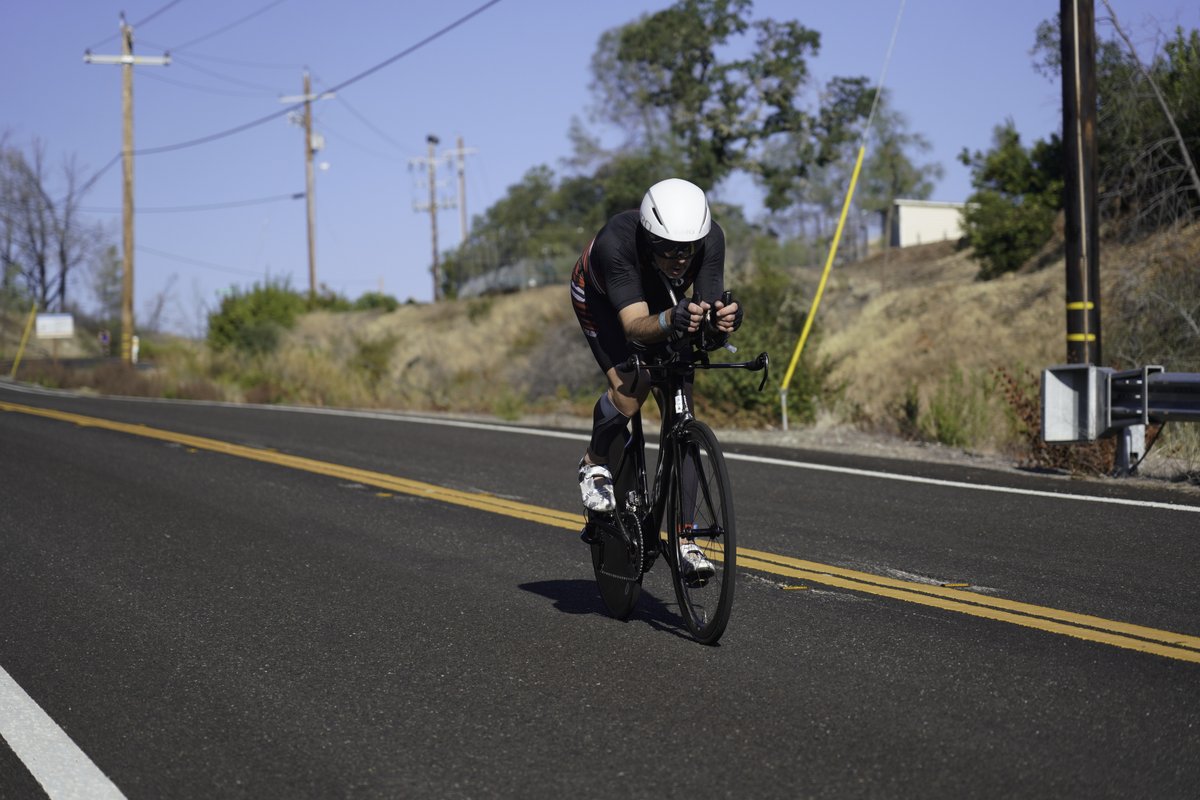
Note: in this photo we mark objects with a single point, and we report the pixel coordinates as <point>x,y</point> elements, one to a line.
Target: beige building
<point>925,221</point>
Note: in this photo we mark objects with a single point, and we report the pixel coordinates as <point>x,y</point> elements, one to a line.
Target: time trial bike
<point>689,493</point>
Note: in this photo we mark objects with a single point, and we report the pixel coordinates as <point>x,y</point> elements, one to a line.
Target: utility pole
<point>432,206</point>
<point>311,145</point>
<point>460,153</point>
<point>128,61</point>
<point>1079,138</point>
<point>437,279</point>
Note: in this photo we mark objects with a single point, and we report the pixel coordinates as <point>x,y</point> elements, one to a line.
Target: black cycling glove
<point>681,318</point>
<point>737,315</point>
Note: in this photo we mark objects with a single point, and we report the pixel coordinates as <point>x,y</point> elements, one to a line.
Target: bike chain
<point>637,539</point>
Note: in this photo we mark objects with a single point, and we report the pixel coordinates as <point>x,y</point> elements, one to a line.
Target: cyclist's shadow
<point>582,597</point>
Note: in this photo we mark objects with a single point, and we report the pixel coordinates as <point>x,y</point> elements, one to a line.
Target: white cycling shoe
<point>595,485</point>
<point>695,567</point>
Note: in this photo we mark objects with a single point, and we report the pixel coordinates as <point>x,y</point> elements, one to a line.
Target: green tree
<point>1143,177</point>
<point>665,80</point>
<point>1018,192</point>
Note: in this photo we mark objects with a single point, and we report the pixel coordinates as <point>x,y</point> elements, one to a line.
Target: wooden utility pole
<point>437,282</point>
<point>127,61</point>
<point>308,191</point>
<point>461,153</point>
<point>311,145</point>
<point>1079,138</point>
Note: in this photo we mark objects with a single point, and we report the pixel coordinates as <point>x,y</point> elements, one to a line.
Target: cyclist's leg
<point>610,417</point>
<point>606,337</point>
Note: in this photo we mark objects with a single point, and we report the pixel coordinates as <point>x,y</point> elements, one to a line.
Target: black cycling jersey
<point>617,270</point>
<point>621,266</point>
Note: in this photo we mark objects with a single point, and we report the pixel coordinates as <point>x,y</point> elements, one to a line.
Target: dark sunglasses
<point>668,249</point>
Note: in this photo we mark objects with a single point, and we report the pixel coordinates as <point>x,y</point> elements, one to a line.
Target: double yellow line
<point>1081,626</point>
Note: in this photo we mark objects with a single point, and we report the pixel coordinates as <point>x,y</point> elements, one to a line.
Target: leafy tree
<point>1017,194</point>
<point>664,80</point>
<point>1143,177</point>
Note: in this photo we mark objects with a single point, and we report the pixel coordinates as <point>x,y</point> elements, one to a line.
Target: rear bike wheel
<point>701,509</point>
<point>617,562</point>
<point>618,556</point>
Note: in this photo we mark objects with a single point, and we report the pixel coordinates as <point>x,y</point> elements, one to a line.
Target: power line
<point>365,73</point>
<point>369,124</point>
<point>220,76</point>
<point>154,14</point>
<point>276,115</point>
<point>416,46</point>
<point>228,27</point>
<point>198,88</point>
<point>258,201</point>
<point>198,263</point>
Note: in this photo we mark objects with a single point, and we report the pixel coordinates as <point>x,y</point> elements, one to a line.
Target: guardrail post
<point>1131,446</point>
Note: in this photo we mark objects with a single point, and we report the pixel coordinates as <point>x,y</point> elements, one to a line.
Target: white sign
<point>55,326</point>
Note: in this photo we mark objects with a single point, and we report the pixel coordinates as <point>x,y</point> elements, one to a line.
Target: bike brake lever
<point>763,363</point>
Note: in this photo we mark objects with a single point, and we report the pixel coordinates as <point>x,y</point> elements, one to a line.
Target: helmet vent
<point>659,217</point>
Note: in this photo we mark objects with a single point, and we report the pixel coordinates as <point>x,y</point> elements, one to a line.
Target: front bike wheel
<point>701,509</point>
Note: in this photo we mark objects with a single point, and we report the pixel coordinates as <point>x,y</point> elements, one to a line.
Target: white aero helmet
<point>675,210</point>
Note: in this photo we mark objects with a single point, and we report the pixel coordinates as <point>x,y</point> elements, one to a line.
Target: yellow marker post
<point>812,312</point>
<point>24,339</point>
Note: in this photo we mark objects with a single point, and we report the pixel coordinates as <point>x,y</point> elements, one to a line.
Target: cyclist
<point>633,282</point>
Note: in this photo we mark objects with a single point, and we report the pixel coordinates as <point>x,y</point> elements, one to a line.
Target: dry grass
<point>917,316</point>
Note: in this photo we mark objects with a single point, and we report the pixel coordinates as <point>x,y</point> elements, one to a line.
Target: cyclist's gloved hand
<point>727,321</point>
<point>682,321</point>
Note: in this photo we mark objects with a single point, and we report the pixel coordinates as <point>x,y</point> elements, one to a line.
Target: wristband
<point>662,321</point>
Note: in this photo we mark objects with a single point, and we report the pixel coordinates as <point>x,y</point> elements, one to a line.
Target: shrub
<point>373,357</point>
<point>372,301</point>
<point>774,318</point>
<point>251,321</point>
<point>958,411</point>
<point>1022,392</point>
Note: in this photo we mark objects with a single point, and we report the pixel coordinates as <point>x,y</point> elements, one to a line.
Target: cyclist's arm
<point>642,326</point>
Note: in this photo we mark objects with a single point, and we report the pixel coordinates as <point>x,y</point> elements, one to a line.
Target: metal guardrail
<point>1083,403</point>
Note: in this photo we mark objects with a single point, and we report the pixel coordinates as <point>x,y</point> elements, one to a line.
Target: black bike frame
<point>671,395</point>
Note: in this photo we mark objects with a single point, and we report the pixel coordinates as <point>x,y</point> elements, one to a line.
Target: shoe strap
<point>595,471</point>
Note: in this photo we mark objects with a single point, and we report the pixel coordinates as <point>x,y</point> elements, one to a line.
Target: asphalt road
<point>207,601</point>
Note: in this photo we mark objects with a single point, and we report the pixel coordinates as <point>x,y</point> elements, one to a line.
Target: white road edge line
<point>64,771</point>
<point>778,462</point>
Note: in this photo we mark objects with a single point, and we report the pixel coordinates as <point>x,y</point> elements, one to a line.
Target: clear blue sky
<point>508,81</point>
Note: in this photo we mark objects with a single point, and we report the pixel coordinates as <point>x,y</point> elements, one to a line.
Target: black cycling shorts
<point>599,320</point>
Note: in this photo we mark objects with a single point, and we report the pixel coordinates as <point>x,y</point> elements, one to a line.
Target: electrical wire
<point>220,76</point>
<point>144,20</point>
<point>228,27</point>
<point>197,262</point>
<point>156,13</point>
<point>198,88</point>
<point>289,109</point>
<point>369,124</point>
<point>258,201</point>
